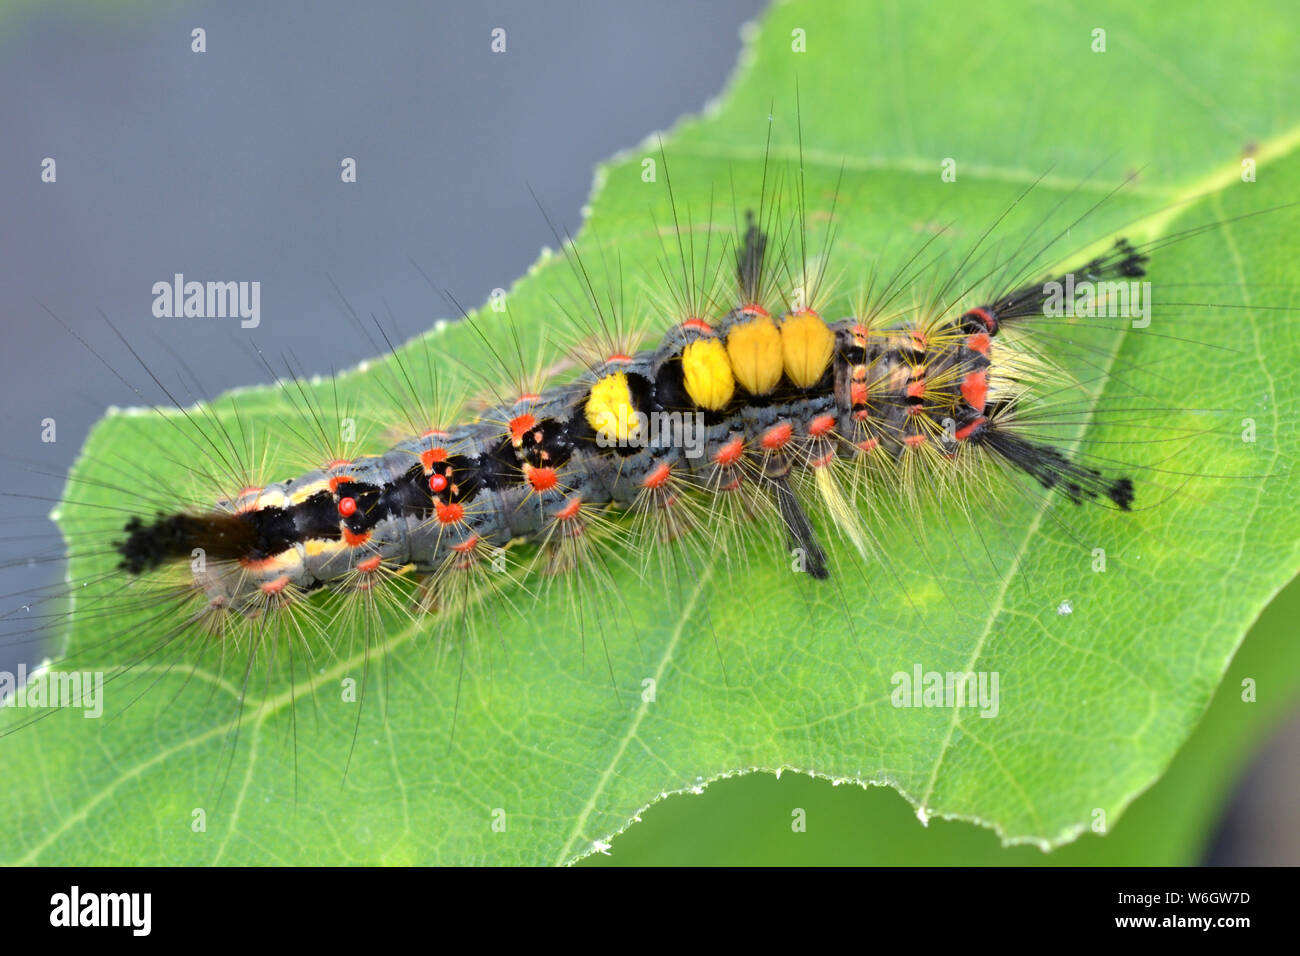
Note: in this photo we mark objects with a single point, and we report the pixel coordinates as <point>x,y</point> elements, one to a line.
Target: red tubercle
<point>697,325</point>
<point>466,546</point>
<point>914,441</point>
<point>965,431</point>
<point>519,425</point>
<point>247,506</point>
<point>435,433</point>
<point>868,444</point>
<point>339,480</point>
<point>777,436</point>
<point>821,425</point>
<point>355,540</point>
<point>369,565</point>
<point>975,389</point>
<point>431,457</point>
<point>542,479</point>
<point>658,476</point>
<point>858,393</point>
<point>755,311</point>
<point>570,509</point>
<point>438,484</point>
<point>731,452</point>
<point>979,342</point>
<point>347,507</point>
<point>275,587</point>
<point>916,389</point>
<point>449,514</point>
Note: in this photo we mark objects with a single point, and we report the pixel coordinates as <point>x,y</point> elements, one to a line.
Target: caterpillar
<point>772,395</point>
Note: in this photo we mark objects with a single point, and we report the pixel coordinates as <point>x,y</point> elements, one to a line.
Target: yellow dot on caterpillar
<point>706,372</point>
<point>754,348</point>
<point>806,347</point>
<point>610,411</point>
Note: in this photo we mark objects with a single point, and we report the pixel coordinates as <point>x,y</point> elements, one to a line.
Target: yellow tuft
<point>315,547</point>
<point>806,345</point>
<point>707,373</point>
<point>843,514</point>
<point>610,410</point>
<point>754,348</point>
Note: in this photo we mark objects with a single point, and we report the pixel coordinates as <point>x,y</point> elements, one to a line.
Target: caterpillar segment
<point>750,402</point>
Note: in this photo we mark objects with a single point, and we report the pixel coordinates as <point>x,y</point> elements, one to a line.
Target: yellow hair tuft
<point>754,348</point>
<point>806,346</point>
<point>707,374</point>
<point>610,410</point>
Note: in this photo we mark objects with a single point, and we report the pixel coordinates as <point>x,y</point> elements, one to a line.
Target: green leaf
<point>746,821</point>
<point>756,667</point>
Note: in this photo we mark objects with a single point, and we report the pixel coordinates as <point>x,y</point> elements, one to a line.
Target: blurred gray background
<point>225,165</point>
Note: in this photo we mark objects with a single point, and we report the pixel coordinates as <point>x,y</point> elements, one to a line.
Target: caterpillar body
<point>777,396</point>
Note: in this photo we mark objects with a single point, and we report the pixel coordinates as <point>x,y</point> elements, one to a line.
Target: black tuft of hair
<point>798,528</point>
<point>1027,301</point>
<point>1053,470</point>
<point>1123,260</point>
<point>749,257</point>
<point>174,537</point>
<point>1121,492</point>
